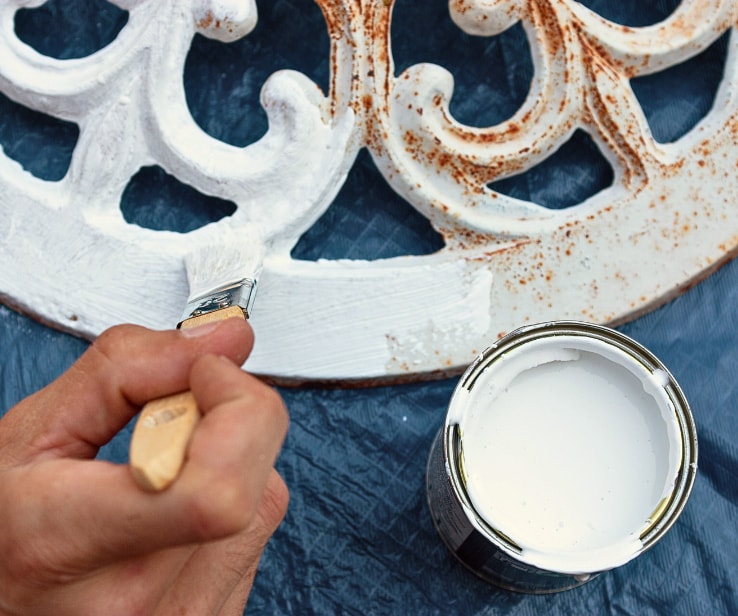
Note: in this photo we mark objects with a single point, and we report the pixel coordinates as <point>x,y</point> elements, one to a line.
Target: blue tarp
<point>358,538</point>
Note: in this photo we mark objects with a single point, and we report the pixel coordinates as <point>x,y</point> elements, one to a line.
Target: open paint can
<point>568,449</point>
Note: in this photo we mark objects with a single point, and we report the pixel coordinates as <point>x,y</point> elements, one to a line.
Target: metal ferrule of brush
<point>241,294</point>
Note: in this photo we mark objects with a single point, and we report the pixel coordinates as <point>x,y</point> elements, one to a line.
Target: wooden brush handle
<point>160,440</point>
<point>164,427</point>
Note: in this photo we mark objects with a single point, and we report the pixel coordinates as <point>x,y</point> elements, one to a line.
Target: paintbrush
<point>222,283</point>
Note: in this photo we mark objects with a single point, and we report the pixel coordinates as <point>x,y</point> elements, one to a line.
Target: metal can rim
<point>667,513</point>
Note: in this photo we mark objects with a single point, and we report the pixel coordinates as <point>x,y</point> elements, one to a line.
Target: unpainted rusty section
<point>593,93</point>
<point>339,20</point>
<point>375,73</point>
<point>611,109</point>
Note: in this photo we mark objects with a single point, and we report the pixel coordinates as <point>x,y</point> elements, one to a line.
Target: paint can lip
<point>663,516</point>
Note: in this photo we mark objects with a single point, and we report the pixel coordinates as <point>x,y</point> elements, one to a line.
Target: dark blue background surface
<point>358,538</point>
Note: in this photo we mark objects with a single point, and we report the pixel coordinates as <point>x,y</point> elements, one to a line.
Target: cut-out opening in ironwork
<point>367,220</point>
<point>572,174</point>
<point>492,75</point>
<point>42,144</point>
<point>223,81</point>
<point>154,199</point>
<point>676,99</point>
<point>94,25</point>
<point>633,13</point>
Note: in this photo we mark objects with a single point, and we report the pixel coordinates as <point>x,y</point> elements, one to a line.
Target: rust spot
<point>444,159</point>
<point>206,21</point>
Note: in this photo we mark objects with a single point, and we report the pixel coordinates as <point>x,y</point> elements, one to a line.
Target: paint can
<point>568,449</point>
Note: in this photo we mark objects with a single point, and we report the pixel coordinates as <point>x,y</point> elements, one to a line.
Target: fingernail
<point>199,330</point>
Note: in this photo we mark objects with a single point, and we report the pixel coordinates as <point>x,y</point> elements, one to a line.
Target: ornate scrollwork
<point>72,259</point>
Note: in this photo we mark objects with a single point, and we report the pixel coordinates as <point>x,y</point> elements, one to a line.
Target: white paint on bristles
<point>233,258</point>
<point>569,445</point>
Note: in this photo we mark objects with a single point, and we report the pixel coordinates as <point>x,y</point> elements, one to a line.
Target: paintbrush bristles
<point>232,259</point>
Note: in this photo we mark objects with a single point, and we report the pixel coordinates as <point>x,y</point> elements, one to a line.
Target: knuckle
<point>113,339</point>
<point>220,509</point>
<point>269,401</point>
<point>274,503</point>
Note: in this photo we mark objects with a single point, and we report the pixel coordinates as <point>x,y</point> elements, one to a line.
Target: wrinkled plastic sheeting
<point>358,538</point>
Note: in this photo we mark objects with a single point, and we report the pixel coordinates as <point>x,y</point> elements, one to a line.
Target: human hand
<point>78,536</point>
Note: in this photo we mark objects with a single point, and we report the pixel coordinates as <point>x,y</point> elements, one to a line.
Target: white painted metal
<point>70,258</point>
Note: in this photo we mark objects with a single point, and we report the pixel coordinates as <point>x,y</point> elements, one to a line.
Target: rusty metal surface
<point>665,221</point>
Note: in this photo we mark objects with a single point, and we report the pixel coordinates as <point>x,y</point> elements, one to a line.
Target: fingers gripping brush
<point>222,285</point>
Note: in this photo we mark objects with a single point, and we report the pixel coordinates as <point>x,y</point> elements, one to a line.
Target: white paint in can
<point>570,445</point>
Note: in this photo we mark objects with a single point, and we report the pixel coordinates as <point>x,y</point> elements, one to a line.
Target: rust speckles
<point>206,21</point>
<point>459,6</point>
<point>411,139</point>
<point>443,160</point>
<point>210,22</point>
